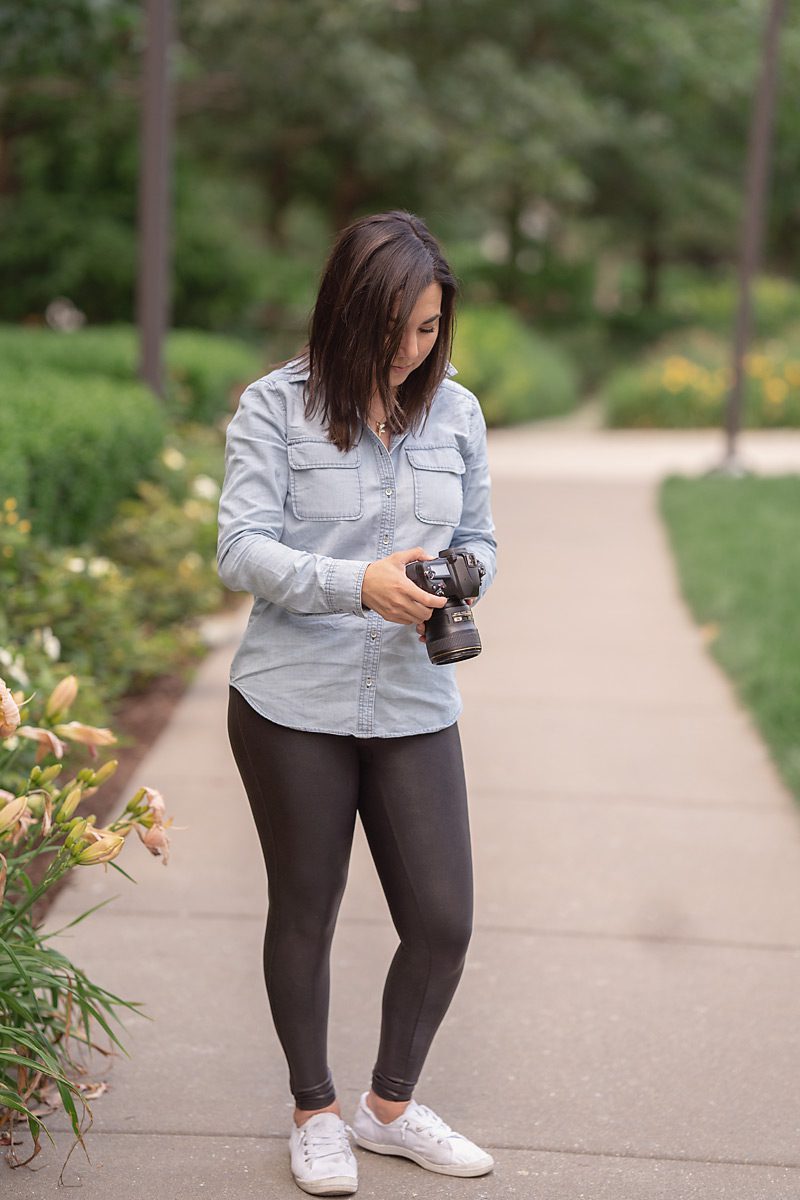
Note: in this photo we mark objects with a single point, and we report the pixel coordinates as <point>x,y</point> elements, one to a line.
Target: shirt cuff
<point>343,586</point>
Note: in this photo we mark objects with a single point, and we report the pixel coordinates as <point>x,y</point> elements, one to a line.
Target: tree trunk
<point>279,194</point>
<point>652,261</point>
<point>510,284</point>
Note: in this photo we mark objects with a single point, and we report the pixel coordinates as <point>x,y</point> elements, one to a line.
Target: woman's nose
<point>408,347</point>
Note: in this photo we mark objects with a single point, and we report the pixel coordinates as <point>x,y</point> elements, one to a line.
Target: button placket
<point>372,642</point>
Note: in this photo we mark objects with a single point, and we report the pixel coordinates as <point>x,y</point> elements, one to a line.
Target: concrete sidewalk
<point>626,1027</point>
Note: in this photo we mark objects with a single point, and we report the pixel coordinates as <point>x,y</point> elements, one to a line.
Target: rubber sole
<point>441,1169</point>
<point>337,1185</point>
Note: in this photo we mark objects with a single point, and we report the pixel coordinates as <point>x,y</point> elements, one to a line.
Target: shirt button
<point>369,683</point>
<point>386,539</point>
<point>388,491</point>
<point>374,634</point>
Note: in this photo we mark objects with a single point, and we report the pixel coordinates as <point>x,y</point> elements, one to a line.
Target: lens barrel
<point>451,634</point>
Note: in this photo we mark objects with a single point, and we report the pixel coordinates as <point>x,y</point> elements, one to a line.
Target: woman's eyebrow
<point>435,317</point>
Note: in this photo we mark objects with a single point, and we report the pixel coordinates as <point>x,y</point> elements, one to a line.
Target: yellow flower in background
<point>792,372</point>
<point>189,564</point>
<point>757,365</point>
<point>775,391</point>
<point>173,459</point>
<point>10,504</point>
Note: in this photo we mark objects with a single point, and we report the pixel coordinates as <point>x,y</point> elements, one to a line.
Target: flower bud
<point>67,809</point>
<point>103,850</point>
<point>90,735</point>
<point>135,800</point>
<point>105,772</point>
<point>62,697</point>
<point>76,832</point>
<point>11,813</point>
<point>36,802</point>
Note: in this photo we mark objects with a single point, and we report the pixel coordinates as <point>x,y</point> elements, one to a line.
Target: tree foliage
<point>546,133</point>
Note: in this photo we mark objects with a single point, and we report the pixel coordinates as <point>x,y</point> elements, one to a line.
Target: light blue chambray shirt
<point>300,521</point>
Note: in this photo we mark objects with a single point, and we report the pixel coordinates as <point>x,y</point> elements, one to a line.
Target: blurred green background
<point>583,166</point>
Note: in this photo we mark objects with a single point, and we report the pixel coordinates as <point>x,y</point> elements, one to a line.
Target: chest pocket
<point>438,491</point>
<point>324,483</point>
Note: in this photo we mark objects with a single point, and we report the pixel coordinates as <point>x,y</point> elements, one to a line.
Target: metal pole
<point>152,293</point>
<point>758,163</point>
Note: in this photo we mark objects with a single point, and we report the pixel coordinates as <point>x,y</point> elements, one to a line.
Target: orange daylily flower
<point>48,742</point>
<point>89,735</point>
<point>9,711</point>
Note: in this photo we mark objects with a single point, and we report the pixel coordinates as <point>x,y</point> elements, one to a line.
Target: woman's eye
<point>427,331</point>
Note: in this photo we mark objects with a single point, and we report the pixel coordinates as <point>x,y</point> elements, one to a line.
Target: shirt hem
<point>342,732</point>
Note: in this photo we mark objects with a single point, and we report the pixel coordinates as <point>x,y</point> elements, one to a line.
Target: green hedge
<point>711,301</point>
<point>203,370</point>
<point>72,446</point>
<point>684,383</point>
<point>516,374</point>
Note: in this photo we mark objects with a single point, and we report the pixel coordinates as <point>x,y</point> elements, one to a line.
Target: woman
<point>353,459</point>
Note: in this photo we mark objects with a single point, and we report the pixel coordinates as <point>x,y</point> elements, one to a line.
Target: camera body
<point>451,633</point>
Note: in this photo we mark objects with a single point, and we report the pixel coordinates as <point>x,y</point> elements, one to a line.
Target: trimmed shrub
<point>684,383</point>
<point>203,370</point>
<point>207,372</point>
<point>516,374</point>
<point>72,447</point>
<point>710,301</point>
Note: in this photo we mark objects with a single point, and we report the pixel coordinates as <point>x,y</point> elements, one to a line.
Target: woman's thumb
<point>407,556</point>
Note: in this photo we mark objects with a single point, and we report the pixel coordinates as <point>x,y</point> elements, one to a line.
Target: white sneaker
<point>419,1134</point>
<point>323,1162</point>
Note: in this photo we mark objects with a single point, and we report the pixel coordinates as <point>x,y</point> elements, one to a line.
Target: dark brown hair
<point>376,262</point>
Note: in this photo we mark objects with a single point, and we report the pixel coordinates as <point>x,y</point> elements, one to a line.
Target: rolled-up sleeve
<point>476,530</point>
<point>250,555</point>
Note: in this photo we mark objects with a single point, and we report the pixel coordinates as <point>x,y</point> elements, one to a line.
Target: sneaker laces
<point>431,1124</point>
<point>324,1145</point>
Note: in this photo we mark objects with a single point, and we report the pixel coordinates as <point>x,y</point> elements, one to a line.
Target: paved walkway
<point>626,1027</point>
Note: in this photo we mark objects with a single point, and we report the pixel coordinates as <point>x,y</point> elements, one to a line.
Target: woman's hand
<point>421,626</point>
<point>387,589</point>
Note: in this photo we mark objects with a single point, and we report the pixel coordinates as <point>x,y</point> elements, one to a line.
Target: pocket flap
<point>436,458</point>
<point>317,453</point>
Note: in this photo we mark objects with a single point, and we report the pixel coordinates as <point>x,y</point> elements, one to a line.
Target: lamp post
<point>152,292</point>
<point>757,174</point>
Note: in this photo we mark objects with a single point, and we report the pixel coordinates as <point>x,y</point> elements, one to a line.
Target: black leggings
<point>304,790</point>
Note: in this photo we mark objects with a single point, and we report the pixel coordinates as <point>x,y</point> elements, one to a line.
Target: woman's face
<point>419,335</point>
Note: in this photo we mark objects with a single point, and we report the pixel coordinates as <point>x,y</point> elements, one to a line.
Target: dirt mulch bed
<point>140,718</point>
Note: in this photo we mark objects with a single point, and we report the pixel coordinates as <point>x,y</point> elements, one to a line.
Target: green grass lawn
<point>737,546</point>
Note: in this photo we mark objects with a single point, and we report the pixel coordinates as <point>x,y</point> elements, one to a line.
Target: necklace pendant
<point>380,427</point>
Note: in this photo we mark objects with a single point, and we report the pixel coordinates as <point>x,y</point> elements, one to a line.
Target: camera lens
<point>451,634</point>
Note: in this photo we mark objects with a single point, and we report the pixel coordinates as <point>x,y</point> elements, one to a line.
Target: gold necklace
<point>380,427</point>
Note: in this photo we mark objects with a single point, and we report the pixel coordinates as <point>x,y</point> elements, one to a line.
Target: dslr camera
<point>451,633</point>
